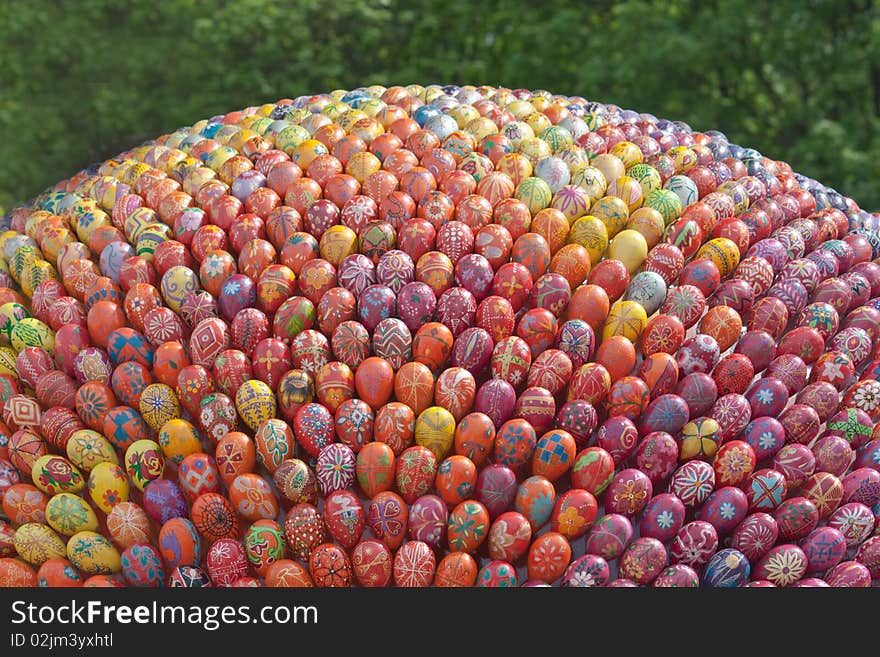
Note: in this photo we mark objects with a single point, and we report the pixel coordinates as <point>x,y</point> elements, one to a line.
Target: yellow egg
<point>666,202</point>
<point>178,439</point>
<point>40,271</point>
<point>626,318</point>
<point>611,166</point>
<point>516,131</point>
<point>628,190</point>
<point>36,543</point>
<point>611,211</point>
<point>144,462</point>
<point>362,165</point>
<point>535,193</point>
<point>590,233</point>
<point>627,152</point>
<point>289,138</point>
<point>534,149</point>
<point>337,243</point>
<point>648,177</point>
<point>150,237</point>
<point>649,223</point>
<point>520,109</point>
<point>55,474</point>
<point>480,128</point>
<point>538,123</point>
<point>255,403</point>
<point>158,404</point>
<point>723,252</point>
<point>93,554</point>
<point>435,429</point>
<point>630,247</point>
<point>464,114</point>
<point>31,332</point>
<point>7,362</point>
<point>68,514</point>
<point>108,486</point>
<point>307,151</point>
<point>87,448</point>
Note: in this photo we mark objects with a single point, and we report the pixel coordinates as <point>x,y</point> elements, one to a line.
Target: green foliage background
<point>797,79</point>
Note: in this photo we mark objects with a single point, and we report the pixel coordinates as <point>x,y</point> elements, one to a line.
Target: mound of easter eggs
<point>439,336</point>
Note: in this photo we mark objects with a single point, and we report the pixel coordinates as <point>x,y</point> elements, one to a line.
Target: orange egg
<point>455,391</point>
<point>590,382</point>
<point>475,437</point>
<point>456,478</point>
<point>59,573</point>
<point>549,556</point>
<point>618,355</point>
<point>432,345</point>
<point>395,425</point>
<point>235,454</point>
<point>374,381</point>
<point>552,225</point>
<point>591,304</point>
<point>375,468</point>
<point>17,574</point>
<point>457,569</point>
<point>573,262</point>
<point>168,359</point>
<point>104,318</point>
<point>253,498</point>
<point>722,323</point>
<point>660,372</point>
<point>287,573</point>
<point>414,386</point>
<point>180,543</point>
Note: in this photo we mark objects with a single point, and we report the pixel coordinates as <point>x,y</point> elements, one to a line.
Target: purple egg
<point>416,303</point>
<point>237,293</point>
<point>395,269</point>
<point>733,413</point>
<point>587,571</point>
<point>759,347</point>
<point>755,536</point>
<point>765,435</point>
<point>663,517</point>
<point>803,270</point>
<point>772,250</point>
<point>868,455</point>
<point>579,418</point>
<point>376,303</point>
<point>427,520</point>
<point>735,293</point>
<point>163,500</point>
<point>725,509</point>
<point>694,544</point>
<point>496,488</point>
<point>497,399</point>
<point>767,396</point>
<point>609,536</point>
<point>357,272</point>
<point>666,413</point>
<point>474,273</point>
<point>790,369</point>
<point>472,350</point>
<point>657,456</point>
<point>801,423</point>
<point>863,486</point>
<point>699,391</point>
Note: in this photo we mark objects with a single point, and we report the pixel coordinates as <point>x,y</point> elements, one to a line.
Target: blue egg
<point>727,569</point>
<point>210,130</point>
<point>423,113</point>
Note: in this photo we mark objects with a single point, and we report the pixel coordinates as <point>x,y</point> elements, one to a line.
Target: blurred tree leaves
<point>797,79</point>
